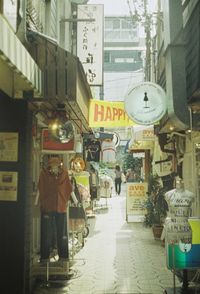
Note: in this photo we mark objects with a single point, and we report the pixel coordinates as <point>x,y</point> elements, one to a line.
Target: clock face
<point>145,104</point>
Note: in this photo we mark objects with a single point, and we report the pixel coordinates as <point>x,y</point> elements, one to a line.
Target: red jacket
<point>54,191</point>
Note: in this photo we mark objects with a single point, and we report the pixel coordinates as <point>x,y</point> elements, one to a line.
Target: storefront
<point>32,92</point>
<point>19,75</point>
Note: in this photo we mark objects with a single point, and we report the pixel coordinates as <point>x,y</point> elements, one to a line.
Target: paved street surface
<point>118,257</point>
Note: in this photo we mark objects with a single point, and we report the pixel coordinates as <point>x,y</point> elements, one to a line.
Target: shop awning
<point>64,79</point>
<point>19,73</point>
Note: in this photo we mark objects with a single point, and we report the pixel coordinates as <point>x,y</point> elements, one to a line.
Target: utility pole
<point>147,28</point>
<point>101,96</point>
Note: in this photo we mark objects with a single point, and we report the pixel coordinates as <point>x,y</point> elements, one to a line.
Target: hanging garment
<point>92,150</point>
<point>94,185</point>
<point>76,211</point>
<point>106,185</point>
<point>55,191</point>
<point>108,151</point>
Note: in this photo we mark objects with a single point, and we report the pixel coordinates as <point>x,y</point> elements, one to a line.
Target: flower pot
<point>157,231</point>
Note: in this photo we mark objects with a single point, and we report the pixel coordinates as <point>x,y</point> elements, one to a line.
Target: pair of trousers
<point>54,233</point>
<point>118,183</point>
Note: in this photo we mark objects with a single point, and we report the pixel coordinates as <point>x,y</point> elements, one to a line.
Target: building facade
<point>40,78</point>
<point>176,69</point>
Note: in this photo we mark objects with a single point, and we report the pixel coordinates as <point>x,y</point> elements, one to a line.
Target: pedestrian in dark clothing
<point>118,179</point>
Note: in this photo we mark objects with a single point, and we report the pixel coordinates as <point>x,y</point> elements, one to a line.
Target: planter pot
<point>157,231</point>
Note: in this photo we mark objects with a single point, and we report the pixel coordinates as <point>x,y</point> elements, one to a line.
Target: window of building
<point>112,35</point>
<point>127,24</point>
<point>116,24</point>
<point>124,60</point>
<point>107,57</point>
<point>120,29</point>
<point>108,24</point>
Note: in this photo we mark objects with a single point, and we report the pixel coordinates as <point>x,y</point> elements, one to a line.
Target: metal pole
<point>101,96</point>
<point>173,264</point>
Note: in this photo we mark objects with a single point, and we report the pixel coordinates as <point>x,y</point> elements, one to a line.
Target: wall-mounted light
<point>61,131</point>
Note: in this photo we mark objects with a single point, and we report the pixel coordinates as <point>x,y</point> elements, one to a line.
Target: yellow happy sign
<point>108,114</point>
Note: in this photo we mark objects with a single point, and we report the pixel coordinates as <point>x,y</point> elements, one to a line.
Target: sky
<point>119,7</point>
<point>113,7</point>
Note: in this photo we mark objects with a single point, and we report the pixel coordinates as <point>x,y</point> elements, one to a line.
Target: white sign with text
<point>90,42</point>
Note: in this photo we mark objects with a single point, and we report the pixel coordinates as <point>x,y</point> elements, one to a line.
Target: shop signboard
<point>90,41</point>
<point>136,194</point>
<point>146,103</point>
<point>108,114</point>
<point>49,145</point>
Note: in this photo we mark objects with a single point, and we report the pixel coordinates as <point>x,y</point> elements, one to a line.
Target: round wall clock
<point>146,104</point>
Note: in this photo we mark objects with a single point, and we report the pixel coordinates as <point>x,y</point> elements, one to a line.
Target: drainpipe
<point>175,64</point>
<point>21,30</point>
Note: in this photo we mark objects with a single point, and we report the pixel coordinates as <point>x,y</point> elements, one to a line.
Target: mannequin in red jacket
<point>54,193</point>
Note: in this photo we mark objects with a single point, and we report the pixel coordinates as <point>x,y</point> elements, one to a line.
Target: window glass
<point>106,57</point>
<point>108,24</point>
<point>126,24</point>
<point>116,24</point>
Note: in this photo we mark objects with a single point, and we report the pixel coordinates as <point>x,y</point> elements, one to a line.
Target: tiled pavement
<point>118,257</point>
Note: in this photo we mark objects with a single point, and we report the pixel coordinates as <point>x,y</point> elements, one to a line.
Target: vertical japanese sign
<point>90,42</point>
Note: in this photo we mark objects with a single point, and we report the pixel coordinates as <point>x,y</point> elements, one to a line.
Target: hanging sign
<point>49,145</point>
<point>9,146</point>
<point>146,103</point>
<point>108,114</point>
<point>8,185</point>
<point>90,42</point>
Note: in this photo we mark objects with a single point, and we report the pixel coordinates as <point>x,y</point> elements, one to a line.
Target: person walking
<point>118,179</point>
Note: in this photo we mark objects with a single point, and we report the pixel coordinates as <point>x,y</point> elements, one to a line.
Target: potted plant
<point>156,206</point>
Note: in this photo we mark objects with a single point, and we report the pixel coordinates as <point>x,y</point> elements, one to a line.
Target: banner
<point>108,114</point>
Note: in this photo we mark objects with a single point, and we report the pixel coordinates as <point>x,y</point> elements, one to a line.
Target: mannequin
<point>179,200</point>
<point>54,192</point>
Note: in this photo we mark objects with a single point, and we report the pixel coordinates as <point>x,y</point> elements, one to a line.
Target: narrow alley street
<point>118,257</point>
